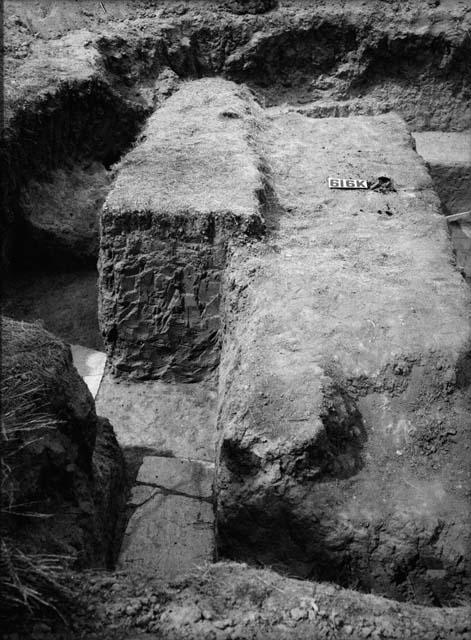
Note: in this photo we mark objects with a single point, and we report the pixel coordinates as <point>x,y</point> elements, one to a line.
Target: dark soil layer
<point>58,458</point>
<point>64,302</point>
<point>190,184</point>
<point>77,123</point>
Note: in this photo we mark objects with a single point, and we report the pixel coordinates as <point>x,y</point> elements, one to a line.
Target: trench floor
<point>170,529</point>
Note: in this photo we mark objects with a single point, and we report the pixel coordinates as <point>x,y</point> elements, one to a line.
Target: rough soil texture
<point>228,601</point>
<point>344,388</point>
<point>250,6</point>
<point>64,460</point>
<point>190,183</point>
<point>121,59</point>
<point>448,158</point>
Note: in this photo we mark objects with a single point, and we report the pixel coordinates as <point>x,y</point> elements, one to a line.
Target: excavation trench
<point>321,465</point>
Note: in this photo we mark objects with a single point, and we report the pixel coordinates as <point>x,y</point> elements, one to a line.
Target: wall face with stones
<point>191,184</point>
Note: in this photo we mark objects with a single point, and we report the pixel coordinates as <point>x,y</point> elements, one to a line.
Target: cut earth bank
<point>343,405</point>
<point>64,60</point>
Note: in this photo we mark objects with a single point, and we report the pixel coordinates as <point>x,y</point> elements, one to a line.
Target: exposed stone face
<point>64,460</point>
<point>191,183</point>
<point>344,375</point>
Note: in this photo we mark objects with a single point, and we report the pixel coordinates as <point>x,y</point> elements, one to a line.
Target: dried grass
<point>198,154</point>
<point>30,584</point>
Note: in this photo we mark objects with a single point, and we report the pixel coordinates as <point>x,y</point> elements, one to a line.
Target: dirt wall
<point>190,184</point>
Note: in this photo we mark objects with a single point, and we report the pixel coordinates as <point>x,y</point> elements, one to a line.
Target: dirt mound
<point>344,386</point>
<point>60,459</point>
<point>228,600</point>
<point>63,127</point>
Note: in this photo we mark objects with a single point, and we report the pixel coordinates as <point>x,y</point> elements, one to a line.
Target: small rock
<point>144,619</point>
<point>185,615</point>
<point>224,623</point>
<point>250,617</point>
<point>132,609</point>
<point>41,627</point>
<point>298,614</point>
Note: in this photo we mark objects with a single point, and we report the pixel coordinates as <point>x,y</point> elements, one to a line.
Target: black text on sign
<point>343,183</point>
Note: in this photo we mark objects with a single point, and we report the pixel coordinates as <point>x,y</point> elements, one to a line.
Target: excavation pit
<point>317,350</point>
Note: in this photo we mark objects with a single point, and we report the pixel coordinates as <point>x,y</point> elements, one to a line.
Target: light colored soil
<point>90,364</point>
<point>444,148</point>
<point>170,418</point>
<point>172,528</point>
<point>195,156</point>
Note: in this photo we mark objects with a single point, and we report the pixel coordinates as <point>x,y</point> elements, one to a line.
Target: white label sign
<point>342,183</point>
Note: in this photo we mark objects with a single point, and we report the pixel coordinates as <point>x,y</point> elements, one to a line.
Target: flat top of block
<point>197,154</point>
<point>444,148</point>
<point>359,277</point>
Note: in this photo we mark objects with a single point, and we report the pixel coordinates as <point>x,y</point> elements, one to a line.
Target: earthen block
<point>190,185</point>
